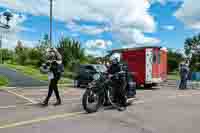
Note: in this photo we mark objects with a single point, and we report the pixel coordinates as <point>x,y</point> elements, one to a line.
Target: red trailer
<point>147,64</point>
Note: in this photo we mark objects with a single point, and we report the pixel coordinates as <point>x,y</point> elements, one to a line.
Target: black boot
<point>44,104</point>
<point>122,105</point>
<point>122,108</point>
<point>57,103</point>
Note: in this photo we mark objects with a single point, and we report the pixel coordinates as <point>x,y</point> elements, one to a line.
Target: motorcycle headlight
<point>96,76</point>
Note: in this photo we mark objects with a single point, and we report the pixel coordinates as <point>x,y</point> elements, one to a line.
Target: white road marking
<point>7,107</point>
<point>37,120</point>
<point>14,106</point>
<point>21,96</point>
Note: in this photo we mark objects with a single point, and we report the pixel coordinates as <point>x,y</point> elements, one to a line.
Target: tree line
<point>70,49</point>
<point>192,55</point>
<point>73,53</point>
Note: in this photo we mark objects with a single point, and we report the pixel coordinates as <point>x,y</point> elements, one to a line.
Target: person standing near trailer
<point>184,73</point>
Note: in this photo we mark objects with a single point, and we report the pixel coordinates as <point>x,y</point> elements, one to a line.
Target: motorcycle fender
<point>96,90</point>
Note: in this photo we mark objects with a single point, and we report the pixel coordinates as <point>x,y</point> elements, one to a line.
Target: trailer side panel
<point>136,63</point>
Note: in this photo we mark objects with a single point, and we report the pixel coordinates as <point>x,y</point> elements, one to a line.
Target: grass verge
<point>3,81</point>
<point>33,72</point>
<point>173,76</point>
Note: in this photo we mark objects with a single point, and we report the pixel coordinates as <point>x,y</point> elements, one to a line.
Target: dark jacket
<point>57,70</point>
<point>184,72</point>
<point>114,68</point>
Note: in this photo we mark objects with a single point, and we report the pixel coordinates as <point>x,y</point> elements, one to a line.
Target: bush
<point>22,58</point>
<point>174,59</point>
<point>70,75</point>
<point>36,57</point>
<point>3,81</point>
<point>6,55</point>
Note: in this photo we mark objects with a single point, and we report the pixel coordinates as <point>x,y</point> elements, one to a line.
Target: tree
<point>192,49</point>
<point>19,47</point>
<point>44,43</point>
<point>71,52</point>
<point>174,59</point>
<point>41,49</point>
<point>21,53</point>
<point>6,54</point>
<point>35,57</point>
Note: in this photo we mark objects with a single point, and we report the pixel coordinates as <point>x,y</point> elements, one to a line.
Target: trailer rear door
<point>149,66</point>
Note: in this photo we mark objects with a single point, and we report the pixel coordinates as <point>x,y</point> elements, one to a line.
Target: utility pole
<point>51,15</point>
<point>1,49</point>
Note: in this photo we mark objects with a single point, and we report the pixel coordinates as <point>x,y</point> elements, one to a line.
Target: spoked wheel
<point>91,101</point>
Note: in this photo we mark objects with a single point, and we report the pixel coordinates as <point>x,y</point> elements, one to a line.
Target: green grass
<point>34,72</point>
<point>3,81</point>
<point>173,76</point>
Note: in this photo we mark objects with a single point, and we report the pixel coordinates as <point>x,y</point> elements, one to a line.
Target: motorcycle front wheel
<point>91,101</point>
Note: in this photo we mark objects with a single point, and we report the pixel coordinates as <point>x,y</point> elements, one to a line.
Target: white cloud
<point>10,36</point>
<point>169,27</point>
<point>126,13</point>
<point>87,29</point>
<point>27,29</point>
<point>98,44</point>
<point>75,35</point>
<point>97,47</point>
<point>95,53</point>
<point>179,51</point>
<point>133,37</point>
<point>11,42</point>
<point>117,15</point>
<point>189,13</point>
<point>163,2</point>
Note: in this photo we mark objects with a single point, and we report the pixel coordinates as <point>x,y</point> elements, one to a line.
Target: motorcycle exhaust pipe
<point>131,100</point>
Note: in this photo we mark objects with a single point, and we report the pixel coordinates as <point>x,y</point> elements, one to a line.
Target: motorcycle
<point>100,92</point>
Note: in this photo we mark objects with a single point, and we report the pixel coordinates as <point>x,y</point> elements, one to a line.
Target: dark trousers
<point>53,86</point>
<point>119,92</point>
<point>183,83</point>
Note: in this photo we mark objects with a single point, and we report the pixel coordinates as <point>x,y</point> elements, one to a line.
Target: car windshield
<point>100,68</point>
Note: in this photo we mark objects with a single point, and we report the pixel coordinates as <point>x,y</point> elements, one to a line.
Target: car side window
<point>81,68</point>
<point>89,68</point>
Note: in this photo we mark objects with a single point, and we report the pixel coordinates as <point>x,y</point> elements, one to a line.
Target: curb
<point>65,84</point>
<point>60,85</point>
<point>6,87</point>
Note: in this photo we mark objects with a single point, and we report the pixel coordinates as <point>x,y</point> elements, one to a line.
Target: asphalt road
<point>164,110</point>
<point>17,79</point>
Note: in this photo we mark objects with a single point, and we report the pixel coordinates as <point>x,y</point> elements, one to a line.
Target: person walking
<point>184,73</point>
<point>55,70</point>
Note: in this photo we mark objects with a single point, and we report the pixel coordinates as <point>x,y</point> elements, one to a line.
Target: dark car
<point>84,73</point>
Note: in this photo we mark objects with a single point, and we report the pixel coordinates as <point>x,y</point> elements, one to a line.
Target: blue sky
<point>101,26</point>
<point>164,14</point>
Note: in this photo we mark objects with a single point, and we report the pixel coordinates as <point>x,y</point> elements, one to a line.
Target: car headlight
<point>96,76</point>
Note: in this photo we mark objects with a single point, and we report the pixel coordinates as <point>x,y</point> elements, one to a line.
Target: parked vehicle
<point>100,91</point>
<point>86,72</point>
<point>147,64</point>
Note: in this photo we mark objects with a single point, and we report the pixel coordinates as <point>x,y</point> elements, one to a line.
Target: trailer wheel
<point>138,86</point>
<point>148,86</point>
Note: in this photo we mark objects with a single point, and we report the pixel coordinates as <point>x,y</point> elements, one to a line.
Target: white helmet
<point>115,58</point>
